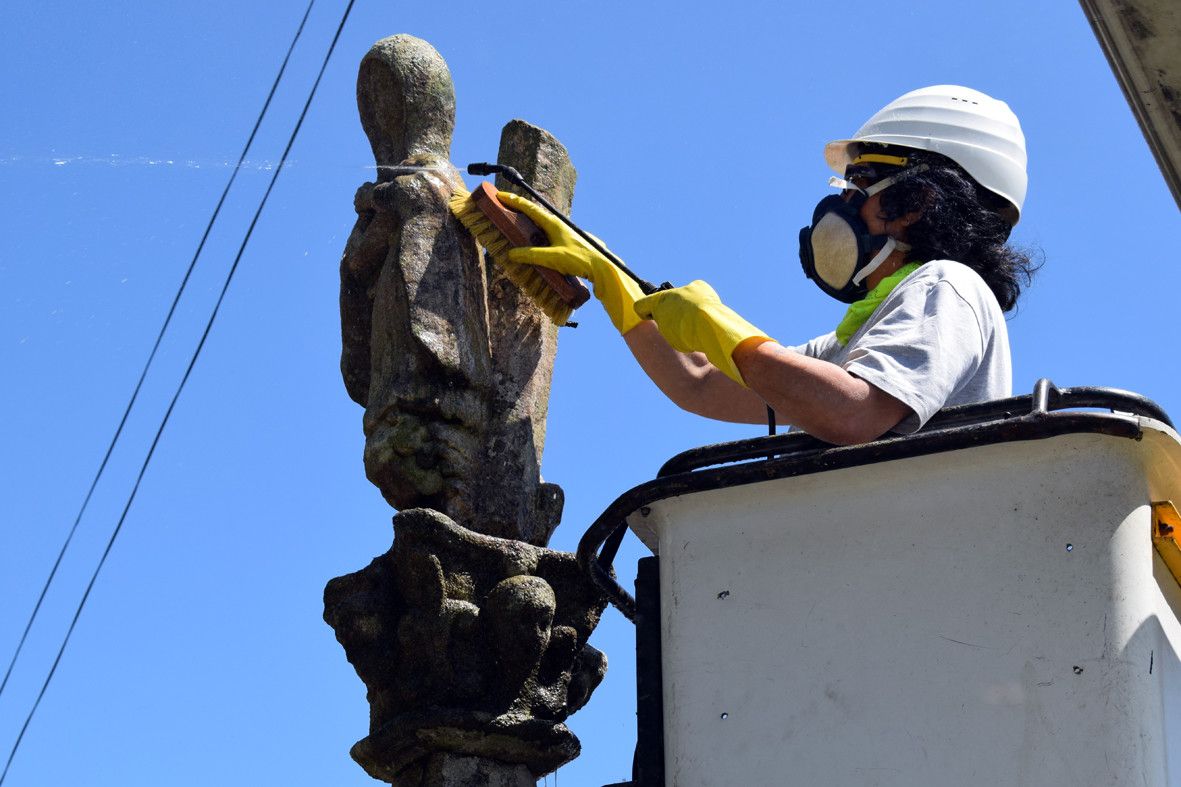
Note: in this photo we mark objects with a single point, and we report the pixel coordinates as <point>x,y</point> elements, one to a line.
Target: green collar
<point>860,311</point>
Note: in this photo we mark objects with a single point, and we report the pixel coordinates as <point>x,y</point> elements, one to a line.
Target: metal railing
<point>1048,411</point>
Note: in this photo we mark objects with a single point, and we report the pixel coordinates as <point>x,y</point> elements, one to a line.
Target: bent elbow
<point>867,419</point>
<point>853,429</point>
<point>855,435</point>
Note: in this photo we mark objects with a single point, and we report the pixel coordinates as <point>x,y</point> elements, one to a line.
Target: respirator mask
<point>837,251</point>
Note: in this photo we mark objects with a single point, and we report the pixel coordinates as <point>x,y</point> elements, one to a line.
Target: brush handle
<point>515,178</point>
<point>520,230</point>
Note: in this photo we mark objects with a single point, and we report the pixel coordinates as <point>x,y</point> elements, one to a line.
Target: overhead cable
<point>152,355</point>
<point>179,389</point>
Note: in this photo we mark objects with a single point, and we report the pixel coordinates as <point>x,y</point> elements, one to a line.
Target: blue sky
<point>697,131</point>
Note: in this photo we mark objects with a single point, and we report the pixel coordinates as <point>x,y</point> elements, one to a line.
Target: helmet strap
<point>884,183</point>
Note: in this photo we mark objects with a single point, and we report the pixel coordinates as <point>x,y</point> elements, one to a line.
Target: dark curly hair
<point>960,220</point>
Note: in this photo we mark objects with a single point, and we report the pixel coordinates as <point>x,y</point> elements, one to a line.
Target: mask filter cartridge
<point>834,250</point>
<point>837,251</point>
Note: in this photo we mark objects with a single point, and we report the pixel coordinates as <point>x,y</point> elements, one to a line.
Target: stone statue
<point>469,635</point>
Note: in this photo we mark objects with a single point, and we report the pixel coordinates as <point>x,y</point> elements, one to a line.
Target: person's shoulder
<point>945,270</point>
<point>965,281</point>
<point>822,347</point>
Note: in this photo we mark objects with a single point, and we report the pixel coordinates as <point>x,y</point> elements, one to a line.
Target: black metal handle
<point>1041,395</point>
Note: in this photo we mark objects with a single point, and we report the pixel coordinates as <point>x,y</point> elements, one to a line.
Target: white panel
<point>979,617</point>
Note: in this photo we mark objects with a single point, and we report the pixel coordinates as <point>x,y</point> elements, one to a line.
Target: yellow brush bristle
<point>497,246</point>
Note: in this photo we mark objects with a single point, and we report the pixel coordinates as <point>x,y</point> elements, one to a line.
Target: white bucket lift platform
<point>987,602</point>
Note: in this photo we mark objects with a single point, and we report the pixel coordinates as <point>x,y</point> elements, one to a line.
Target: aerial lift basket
<point>990,601</point>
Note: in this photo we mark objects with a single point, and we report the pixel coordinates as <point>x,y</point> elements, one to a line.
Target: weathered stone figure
<point>470,636</point>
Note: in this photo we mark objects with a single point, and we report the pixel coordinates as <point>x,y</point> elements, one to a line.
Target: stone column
<point>470,635</point>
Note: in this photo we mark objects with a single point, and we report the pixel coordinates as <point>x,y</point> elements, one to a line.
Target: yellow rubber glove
<point>693,319</point>
<point>571,255</point>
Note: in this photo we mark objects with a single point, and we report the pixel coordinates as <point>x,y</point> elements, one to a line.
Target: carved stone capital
<point>468,644</point>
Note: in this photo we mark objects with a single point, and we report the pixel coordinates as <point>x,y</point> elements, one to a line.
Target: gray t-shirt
<point>938,339</point>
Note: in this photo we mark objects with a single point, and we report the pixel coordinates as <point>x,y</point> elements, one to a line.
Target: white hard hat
<point>974,130</point>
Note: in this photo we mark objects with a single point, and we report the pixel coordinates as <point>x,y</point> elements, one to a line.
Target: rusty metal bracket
<point>1166,527</point>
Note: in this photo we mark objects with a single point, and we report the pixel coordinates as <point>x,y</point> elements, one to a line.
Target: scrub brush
<point>499,229</point>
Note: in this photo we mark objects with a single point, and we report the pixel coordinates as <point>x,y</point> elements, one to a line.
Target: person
<point>916,243</point>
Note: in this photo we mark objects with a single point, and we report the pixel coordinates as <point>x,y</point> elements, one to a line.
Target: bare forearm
<point>817,396</point>
<point>691,381</point>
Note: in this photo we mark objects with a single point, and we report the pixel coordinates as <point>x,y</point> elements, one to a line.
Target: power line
<point>152,355</point>
<point>180,387</point>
